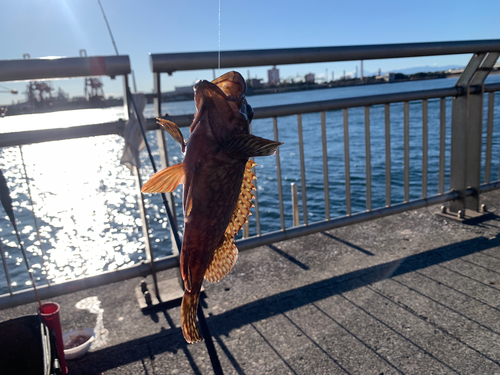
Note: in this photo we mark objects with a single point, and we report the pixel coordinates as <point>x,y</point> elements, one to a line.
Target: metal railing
<point>53,68</point>
<point>467,114</point>
<point>467,97</point>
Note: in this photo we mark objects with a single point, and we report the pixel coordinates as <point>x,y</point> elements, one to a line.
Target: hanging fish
<point>217,178</point>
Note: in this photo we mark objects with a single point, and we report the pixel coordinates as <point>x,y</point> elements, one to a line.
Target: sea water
<point>85,202</point>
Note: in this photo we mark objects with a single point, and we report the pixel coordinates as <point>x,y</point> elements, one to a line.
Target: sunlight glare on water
<point>85,202</point>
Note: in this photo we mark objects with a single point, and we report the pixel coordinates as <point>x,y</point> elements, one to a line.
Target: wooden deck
<point>408,294</point>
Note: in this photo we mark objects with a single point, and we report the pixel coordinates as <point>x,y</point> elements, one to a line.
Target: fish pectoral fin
<point>165,181</point>
<point>189,207</point>
<point>248,145</point>
<point>174,131</point>
<point>188,200</point>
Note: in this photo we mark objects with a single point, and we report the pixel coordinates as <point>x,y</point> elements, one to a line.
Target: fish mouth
<point>232,84</point>
<point>228,89</point>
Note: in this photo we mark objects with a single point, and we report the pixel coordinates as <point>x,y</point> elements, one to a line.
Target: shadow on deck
<point>409,294</point>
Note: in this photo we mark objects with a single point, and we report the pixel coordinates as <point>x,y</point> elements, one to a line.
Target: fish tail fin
<point>189,325</point>
<point>166,180</point>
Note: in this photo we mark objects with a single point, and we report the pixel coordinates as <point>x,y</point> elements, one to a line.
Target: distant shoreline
<point>353,82</point>
<point>305,86</point>
<point>282,88</point>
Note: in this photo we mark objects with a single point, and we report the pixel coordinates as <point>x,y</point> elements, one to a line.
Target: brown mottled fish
<point>217,178</point>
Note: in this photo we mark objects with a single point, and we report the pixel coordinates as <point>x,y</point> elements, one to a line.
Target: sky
<point>43,28</point>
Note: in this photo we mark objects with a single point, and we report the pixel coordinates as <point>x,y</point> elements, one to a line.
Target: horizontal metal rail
<point>46,135</point>
<point>207,60</point>
<point>143,269</point>
<point>63,67</point>
<point>171,62</point>
<point>58,134</point>
<point>54,290</point>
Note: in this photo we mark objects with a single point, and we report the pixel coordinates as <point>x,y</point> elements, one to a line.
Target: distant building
<point>273,76</point>
<point>389,77</point>
<point>254,82</point>
<point>183,89</point>
<point>309,78</point>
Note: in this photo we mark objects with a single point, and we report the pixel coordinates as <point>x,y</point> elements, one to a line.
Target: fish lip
<point>200,92</point>
<point>204,89</point>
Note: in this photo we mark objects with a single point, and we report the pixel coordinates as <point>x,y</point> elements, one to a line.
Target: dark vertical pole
<point>209,342</point>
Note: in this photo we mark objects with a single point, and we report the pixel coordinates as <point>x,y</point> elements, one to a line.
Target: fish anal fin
<point>166,180</point>
<point>174,131</point>
<point>248,145</point>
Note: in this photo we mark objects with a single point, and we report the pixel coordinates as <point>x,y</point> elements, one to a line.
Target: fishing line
<point>109,28</point>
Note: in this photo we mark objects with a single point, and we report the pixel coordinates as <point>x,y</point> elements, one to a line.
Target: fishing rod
<point>37,228</point>
<point>109,28</point>
<point>7,205</point>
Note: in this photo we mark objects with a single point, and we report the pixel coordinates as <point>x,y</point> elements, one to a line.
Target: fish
<point>217,176</point>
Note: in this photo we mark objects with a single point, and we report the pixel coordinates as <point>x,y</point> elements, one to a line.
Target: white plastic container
<point>82,338</point>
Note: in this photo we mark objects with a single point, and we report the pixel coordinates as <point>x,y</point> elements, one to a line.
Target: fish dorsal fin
<point>166,180</point>
<point>174,131</point>
<point>248,145</point>
<point>226,254</point>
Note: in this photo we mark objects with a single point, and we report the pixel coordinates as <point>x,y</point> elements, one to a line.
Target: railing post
<point>162,147</point>
<point>278,175</point>
<point>459,114</point>
<point>466,133</point>
<point>295,204</point>
<point>303,188</point>
<point>157,93</point>
<point>140,197</point>
<point>475,130</point>
<point>6,268</point>
<point>126,98</point>
<point>145,227</point>
<point>489,137</point>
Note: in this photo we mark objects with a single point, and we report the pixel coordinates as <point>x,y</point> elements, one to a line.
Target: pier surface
<point>408,294</point>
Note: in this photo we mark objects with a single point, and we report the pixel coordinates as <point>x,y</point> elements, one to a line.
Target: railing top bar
<point>360,101</point>
<point>64,67</point>
<point>335,104</point>
<point>171,62</point>
<point>45,135</point>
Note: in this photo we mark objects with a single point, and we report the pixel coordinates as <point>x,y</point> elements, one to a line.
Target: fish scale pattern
<point>226,254</point>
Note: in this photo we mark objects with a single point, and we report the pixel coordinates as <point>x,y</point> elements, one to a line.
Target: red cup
<point>49,311</point>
